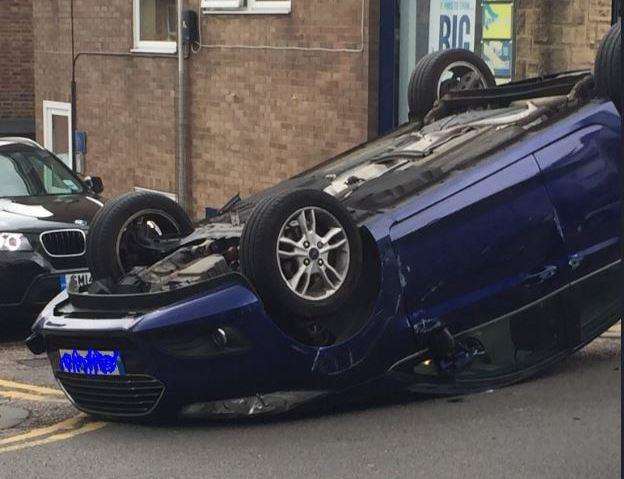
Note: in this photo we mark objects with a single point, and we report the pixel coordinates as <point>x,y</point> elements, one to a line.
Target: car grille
<point>132,395</point>
<point>63,243</point>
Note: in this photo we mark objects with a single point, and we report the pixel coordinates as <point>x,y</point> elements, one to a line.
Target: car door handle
<point>541,276</point>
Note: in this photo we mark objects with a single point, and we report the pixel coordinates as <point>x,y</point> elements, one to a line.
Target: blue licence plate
<point>92,362</point>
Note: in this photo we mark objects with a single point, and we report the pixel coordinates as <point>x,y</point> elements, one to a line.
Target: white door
<point>57,135</point>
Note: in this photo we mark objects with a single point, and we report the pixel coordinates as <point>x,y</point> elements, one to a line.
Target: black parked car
<point>45,210</point>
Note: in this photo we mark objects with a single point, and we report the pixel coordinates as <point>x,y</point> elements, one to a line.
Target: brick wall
<point>259,116</point>
<point>559,35</point>
<point>16,59</point>
<point>125,104</point>
<point>256,115</point>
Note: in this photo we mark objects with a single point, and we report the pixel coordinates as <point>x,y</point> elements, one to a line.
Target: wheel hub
<point>143,226</point>
<point>460,76</point>
<point>313,254</point>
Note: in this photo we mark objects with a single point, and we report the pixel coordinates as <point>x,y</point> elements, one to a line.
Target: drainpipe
<point>182,125</point>
<point>73,92</point>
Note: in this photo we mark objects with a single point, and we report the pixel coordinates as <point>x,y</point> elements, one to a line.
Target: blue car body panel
<point>518,241</point>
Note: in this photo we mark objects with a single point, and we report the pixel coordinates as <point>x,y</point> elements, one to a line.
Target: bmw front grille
<point>64,243</point>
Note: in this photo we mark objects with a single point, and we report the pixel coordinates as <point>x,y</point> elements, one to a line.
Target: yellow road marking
<point>57,432</point>
<point>31,388</point>
<point>89,427</point>
<point>43,431</point>
<point>30,397</point>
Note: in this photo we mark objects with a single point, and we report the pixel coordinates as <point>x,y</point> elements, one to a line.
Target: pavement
<point>564,424</point>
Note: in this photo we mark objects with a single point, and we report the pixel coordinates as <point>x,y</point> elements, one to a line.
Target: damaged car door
<point>581,175</point>
<point>489,261</point>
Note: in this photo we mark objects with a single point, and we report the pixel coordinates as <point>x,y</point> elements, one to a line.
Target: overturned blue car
<point>475,246</point>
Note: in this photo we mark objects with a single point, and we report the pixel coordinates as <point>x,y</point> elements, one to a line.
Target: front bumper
<point>28,281</point>
<point>169,340</point>
<point>180,347</point>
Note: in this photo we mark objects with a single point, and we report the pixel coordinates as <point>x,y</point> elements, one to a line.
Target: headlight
<point>14,242</point>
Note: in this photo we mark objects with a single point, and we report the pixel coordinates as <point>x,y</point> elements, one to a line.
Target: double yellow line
<point>29,392</point>
<point>61,431</point>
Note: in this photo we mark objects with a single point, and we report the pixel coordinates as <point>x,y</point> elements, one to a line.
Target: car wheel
<point>122,230</point>
<point>608,66</point>
<point>441,72</point>
<point>303,253</point>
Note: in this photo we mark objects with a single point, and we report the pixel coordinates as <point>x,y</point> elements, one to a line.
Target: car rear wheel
<point>608,66</point>
<point>441,72</point>
<point>123,230</point>
<point>303,253</point>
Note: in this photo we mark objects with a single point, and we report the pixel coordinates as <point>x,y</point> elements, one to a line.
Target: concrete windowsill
<point>167,49</point>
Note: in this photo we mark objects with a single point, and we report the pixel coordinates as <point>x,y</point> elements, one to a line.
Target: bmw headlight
<point>14,242</point>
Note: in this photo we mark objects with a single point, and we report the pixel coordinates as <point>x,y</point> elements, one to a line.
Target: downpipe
<point>182,123</point>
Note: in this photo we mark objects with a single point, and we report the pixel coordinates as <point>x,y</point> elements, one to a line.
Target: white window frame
<point>248,7</point>
<point>50,109</point>
<point>223,4</point>
<point>148,46</point>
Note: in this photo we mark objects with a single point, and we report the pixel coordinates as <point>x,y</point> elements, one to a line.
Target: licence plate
<point>83,279</point>
<point>92,362</point>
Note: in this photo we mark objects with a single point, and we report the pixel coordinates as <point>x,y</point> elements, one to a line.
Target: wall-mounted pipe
<point>73,92</point>
<point>182,156</point>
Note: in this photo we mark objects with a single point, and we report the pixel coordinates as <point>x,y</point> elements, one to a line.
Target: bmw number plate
<point>92,362</point>
<point>82,279</point>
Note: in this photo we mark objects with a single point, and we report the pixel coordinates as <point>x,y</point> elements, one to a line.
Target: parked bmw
<point>474,247</point>
<point>45,211</point>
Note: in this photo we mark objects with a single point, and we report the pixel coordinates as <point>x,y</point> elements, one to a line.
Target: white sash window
<point>246,6</point>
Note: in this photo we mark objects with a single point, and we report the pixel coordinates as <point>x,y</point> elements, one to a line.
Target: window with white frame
<point>247,6</point>
<point>155,26</point>
<point>57,134</point>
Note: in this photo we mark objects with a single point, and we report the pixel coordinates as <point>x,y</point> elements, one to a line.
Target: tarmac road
<point>565,424</point>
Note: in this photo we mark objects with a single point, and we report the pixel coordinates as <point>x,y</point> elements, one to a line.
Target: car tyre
<point>271,262</point>
<point>109,223</point>
<point>608,66</point>
<point>428,84</point>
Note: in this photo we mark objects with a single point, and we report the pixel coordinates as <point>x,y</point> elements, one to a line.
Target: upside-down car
<point>473,247</point>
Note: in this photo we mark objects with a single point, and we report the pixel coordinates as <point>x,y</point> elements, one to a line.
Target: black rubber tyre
<point>109,221</point>
<point>608,67</point>
<point>258,253</point>
<point>423,87</point>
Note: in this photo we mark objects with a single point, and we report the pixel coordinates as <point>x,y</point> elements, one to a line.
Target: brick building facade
<point>17,90</point>
<point>256,115</point>
<point>269,95</point>
<point>559,36</point>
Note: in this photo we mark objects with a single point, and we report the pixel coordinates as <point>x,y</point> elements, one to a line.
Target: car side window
<point>53,183</point>
<point>55,180</point>
<point>11,182</point>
